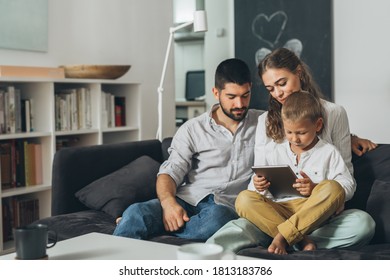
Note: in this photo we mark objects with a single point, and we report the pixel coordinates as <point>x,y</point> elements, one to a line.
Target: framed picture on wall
<point>24,25</point>
<point>299,25</point>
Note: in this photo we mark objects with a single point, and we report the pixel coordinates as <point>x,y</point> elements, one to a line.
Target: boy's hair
<point>302,105</point>
<point>232,70</point>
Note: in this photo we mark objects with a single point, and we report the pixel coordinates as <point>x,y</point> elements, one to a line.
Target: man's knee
<point>222,214</point>
<point>138,218</point>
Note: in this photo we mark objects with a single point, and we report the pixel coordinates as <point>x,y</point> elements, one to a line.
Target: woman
<point>283,73</point>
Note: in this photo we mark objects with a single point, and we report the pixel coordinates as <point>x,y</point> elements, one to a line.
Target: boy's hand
<point>304,185</point>
<point>261,183</point>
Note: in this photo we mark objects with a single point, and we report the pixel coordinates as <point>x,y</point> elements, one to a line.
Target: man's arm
<point>174,216</point>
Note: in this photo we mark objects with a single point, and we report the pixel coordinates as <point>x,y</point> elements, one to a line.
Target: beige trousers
<point>293,218</point>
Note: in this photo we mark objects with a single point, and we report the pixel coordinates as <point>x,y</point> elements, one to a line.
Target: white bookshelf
<point>42,93</point>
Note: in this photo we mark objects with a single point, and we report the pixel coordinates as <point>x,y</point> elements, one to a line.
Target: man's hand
<point>174,216</point>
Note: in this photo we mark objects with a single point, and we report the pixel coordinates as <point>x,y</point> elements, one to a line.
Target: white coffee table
<point>98,246</point>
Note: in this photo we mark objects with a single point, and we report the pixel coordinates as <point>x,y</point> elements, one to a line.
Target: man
<point>209,164</point>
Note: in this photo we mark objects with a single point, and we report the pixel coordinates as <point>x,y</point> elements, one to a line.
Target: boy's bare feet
<point>307,244</point>
<point>118,220</point>
<point>278,245</point>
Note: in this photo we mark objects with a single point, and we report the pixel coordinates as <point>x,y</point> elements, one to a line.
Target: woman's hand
<point>360,146</point>
<point>261,183</point>
<point>304,185</point>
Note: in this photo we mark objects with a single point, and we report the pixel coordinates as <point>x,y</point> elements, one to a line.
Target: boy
<point>325,181</point>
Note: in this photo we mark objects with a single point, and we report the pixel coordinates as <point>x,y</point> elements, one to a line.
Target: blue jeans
<point>144,220</point>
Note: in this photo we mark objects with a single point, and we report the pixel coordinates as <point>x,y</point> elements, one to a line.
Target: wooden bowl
<point>95,71</point>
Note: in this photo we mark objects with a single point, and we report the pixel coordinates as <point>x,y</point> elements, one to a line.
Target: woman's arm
<point>360,145</point>
<point>337,131</point>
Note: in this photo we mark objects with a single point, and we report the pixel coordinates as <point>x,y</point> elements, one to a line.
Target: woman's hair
<point>278,59</point>
<point>302,105</point>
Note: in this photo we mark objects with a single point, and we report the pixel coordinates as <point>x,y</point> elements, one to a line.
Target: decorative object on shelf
<point>31,72</point>
<point>95,71</point>
<point>200,25</point>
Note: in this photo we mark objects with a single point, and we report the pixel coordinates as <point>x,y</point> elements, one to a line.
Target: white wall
<point>220,15</point>
<point>124,32</point>
<point>112,32</point>
<point>361,41</point>
<point>362,65</point>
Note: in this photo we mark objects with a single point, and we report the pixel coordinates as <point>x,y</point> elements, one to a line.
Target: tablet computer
<point>281,177</point>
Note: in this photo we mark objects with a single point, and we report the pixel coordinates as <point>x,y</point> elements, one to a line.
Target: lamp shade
<point>200,21</point>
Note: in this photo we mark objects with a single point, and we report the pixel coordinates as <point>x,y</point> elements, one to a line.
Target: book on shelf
<point>107,110</point>
<point>15,112</point>
<point>26,124</point>
<point>29,161</point>
<point>2,113</point>
<point>6,165</point>
<point>38,164</point>
<point>21,163</point>
<point>120,111</point>
<point>32,72</point>
<point>7,219</point>
<point>73,109</point>
<point>66,141</point>
<point>17,212</point>
<point>10,113</point>
<point>113,110</point>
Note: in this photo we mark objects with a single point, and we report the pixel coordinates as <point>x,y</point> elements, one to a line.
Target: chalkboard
<point>303,26</point>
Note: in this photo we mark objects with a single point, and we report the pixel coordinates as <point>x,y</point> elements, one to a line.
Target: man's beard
<point>232,116</point>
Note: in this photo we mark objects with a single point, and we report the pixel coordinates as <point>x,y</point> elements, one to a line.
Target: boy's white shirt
<point>336,131</point>
<point>322,162</point>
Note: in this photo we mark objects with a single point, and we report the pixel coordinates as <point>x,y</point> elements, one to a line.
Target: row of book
<point>18,212</point>
<point>73,109</point>
<point>15,112</point>
<point>113,110</point>
<point>20,163</point>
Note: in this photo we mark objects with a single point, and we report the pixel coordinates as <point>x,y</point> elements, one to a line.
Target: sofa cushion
<point>113,193</point>
<point>379,208</point>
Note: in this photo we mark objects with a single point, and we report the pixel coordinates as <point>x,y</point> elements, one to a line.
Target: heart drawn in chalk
<point>269,28</point>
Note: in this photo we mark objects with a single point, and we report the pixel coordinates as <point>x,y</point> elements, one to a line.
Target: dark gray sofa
<point>74,169</point>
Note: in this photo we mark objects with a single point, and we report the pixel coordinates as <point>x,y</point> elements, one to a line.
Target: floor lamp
<point>200,25</point>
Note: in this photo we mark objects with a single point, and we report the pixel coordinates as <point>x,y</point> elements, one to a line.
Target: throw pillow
<point>113,193</point>
<point>378,207</point>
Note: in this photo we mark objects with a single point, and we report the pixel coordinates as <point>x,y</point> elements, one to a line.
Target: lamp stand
<point>200,25</point>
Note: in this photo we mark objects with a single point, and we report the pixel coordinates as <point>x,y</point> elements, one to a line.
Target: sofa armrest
<point>76,167</point>
<point>371,166</point>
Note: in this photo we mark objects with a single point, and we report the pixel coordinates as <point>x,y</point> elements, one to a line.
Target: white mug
<point>202,251</point>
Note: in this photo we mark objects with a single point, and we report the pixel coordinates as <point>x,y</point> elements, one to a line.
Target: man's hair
<point>232,70</point>
<point>302,105</point>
